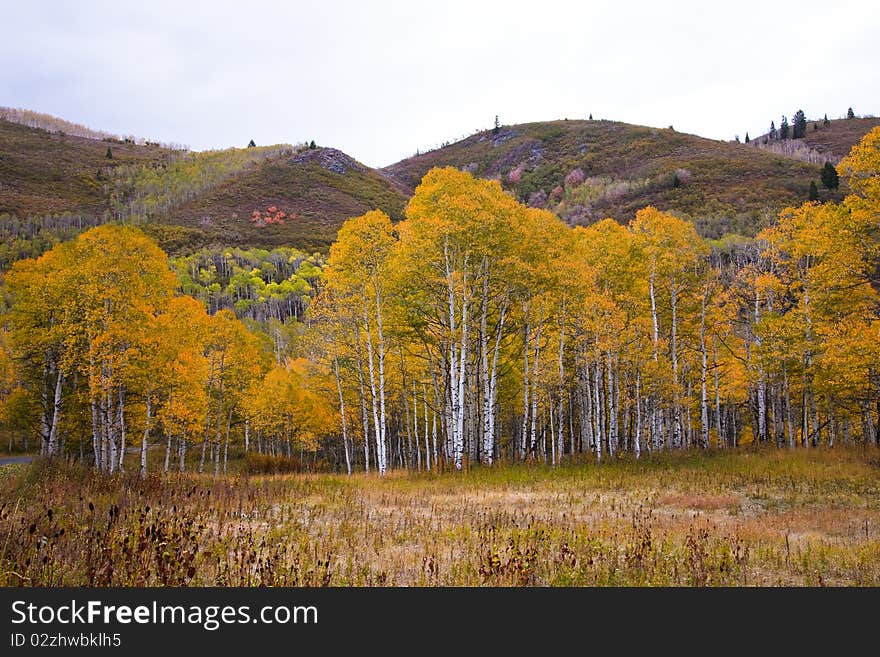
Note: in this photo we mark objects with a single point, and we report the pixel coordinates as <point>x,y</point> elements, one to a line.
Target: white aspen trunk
<point>168,452</point>
<point>720,437</point>
<point>434,436</point>
<point>96,438</point>
<point>676,402</point>
<point>380,447</point>
<point>44,414</point>
<point>761,393</point>
<point>342,412</point>
<point>181,452</point>
<point>462,377</point>
<point>689,427</point>
<point>110,435</point>
<point>204,452</point>
<point>776,415</point>
<point>656,420</point>
<point>624,430</point>
<point>456,377</point>
<point>637,438</point>
<point>219,417</point>
<point>121,415</point>
<point>102,416</point>
<point>788,420</point>
<point>145,436</point>
<point>597,415</point>
<point>489,444</point>
<point>535,361</point>
<point>472,434</point>
<point>704,395</point>
<point>816,431</point>
<point>427,444</point>
<point>587,396</point>
<point>434,427</point>
<point>416,427</point>
<point>226,439</point>
<point>612,405</point>
<point>381,339</point>
<point>561,390</point>
<point>654,322</point>
<point>526,389</point>
<point>407,419</point>
<point>247,436</point>
<point>485,428</point>
<point>363,396</point>
<point>56,416</point>
<point>449,392</point>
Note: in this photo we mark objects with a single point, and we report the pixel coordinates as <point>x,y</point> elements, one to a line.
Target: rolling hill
<point>588,170</point>
<point>53,184</point>
<point>316,189</point>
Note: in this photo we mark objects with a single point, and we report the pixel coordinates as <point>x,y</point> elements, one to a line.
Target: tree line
<point>475,330</point>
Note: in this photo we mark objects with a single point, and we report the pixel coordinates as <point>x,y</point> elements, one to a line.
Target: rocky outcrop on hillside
<point>329,159</point>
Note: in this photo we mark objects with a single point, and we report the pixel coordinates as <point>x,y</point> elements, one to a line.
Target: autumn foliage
<point>475,330</point>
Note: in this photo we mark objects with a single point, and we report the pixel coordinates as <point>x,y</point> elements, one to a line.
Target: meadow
<point>766,517</point>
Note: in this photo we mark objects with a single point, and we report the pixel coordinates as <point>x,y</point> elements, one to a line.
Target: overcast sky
<point>382,79</point>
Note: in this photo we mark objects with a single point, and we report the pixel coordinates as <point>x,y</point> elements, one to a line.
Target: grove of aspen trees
<point>477,330</point>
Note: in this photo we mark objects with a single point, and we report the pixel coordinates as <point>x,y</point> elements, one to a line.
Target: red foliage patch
<point>272,215</point>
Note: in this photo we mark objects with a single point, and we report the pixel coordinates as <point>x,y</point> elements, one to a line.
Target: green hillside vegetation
<point>55,185</point>
<point>143,193</point>
<point>45,173</point>
<point>588,170</point>
<point>257,284</point>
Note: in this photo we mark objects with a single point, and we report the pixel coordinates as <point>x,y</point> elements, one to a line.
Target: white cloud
<point>381,79</point>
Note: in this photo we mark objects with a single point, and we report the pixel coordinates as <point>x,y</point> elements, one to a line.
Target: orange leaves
<point>290,402</point>
<point>360,252</point>
<point>669,243</point>
<point>272,215</point>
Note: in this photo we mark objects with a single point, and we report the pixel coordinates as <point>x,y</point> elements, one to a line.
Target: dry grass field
<point>767,518</point>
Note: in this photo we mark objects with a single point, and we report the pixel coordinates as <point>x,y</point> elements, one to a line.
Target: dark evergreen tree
<point>815,127</point>
<point>829,176</point>
<point>251,144</point>
<point>747,137</point>
<point>814,191</point>
<point>109,154</point>
<point>312,145</point>
<point>850,114</point>
<point>826,121</point>
<point>772,130</point>
<point>783,128</point>
<point>591,117</point>
<point>799,125</point>
<point>497,127</point>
